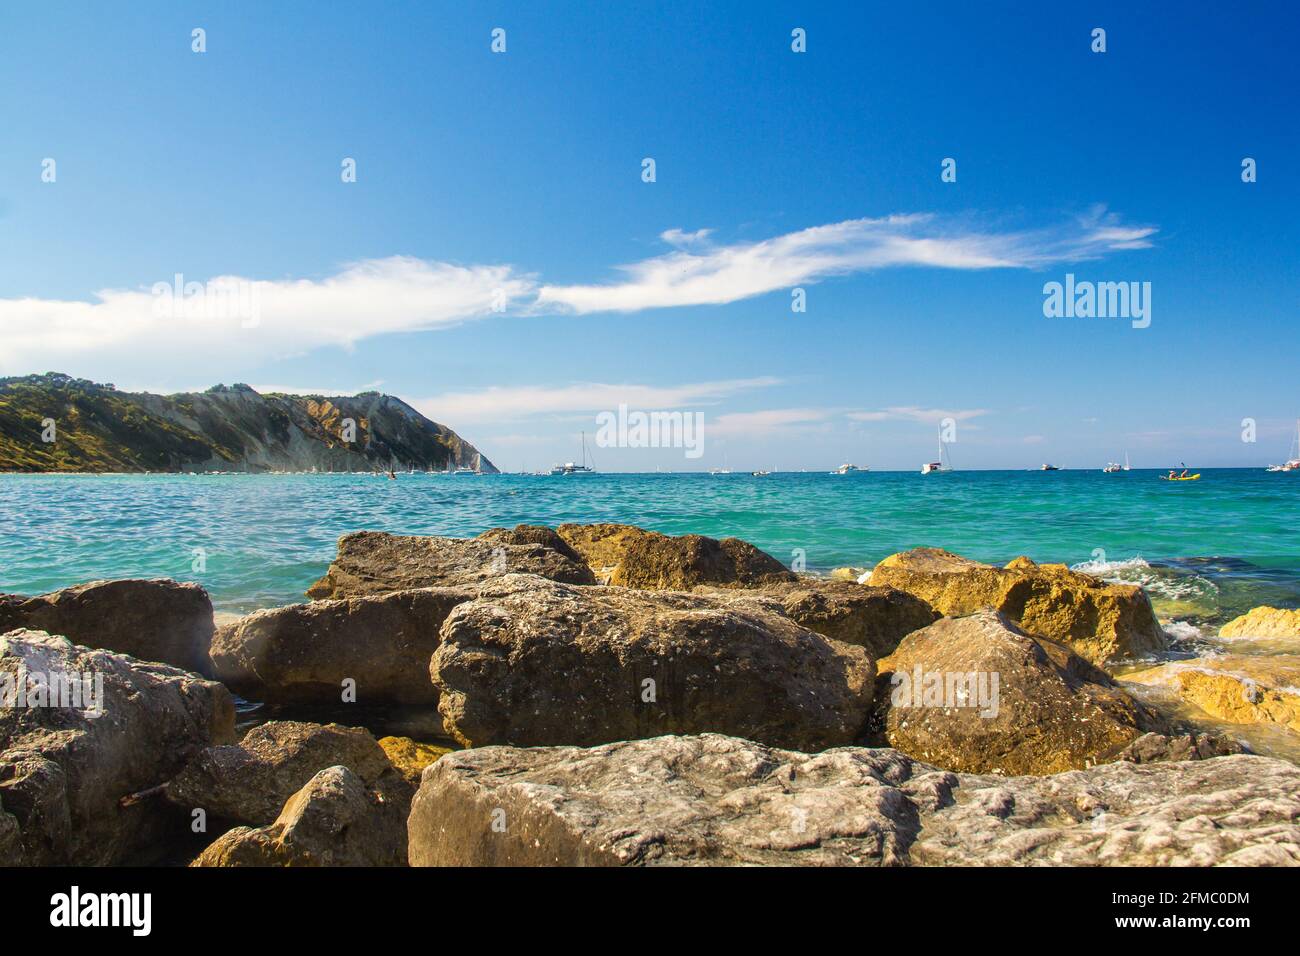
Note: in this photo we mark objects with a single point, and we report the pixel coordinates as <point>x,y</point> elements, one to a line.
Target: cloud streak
<point>698,273</point>
<point>503,403</point>
<point>264,318</point>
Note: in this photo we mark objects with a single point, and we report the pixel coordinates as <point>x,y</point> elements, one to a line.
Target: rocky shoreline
<point>607,695</point>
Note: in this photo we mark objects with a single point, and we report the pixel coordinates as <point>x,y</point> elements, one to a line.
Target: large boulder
<point>977,694</point>
<point>713,800</point>
<point>334,820</point>
<point>249,782</point>
<point>633,557</point>
<point>1264,622</point>
<point>876,618</point>
<point>302,654</point>
<point>67,772</point>
<point>156,620</point>
<point>532,534</point>
<point>531,661</point>
<point>1101,622</point>
<point>373,562</point>
<point>1239,688</point>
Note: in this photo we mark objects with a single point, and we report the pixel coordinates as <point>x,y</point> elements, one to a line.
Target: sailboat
<point>1113,466</point>
<point>1293,463</point>
<point>572,468</point>
<point>943,464</point>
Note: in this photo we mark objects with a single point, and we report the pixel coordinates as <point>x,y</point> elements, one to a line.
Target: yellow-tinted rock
<point>1264,622</point>
<point>849,574</point>
<point>1236,688</point>
<point>410,757</point>
<point>1100,622</point>
<point>978,695</point>
<point>633,557</point>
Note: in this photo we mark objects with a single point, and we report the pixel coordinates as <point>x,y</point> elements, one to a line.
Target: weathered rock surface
<point>534,662</point>
<point>410,757</point>
<point>1238,688</point>
<point>977,694</point>
<point>64,770</point>
<point>302,653</point>
<point>722,801</point>
<point>633,557</point>
<point>335,820</point>
<point>1154,748</point>
<point>1101,622</point>
<point>373,562</point>
<point>1268,622</point>
<point>249,782</point>
<point>156,620</point>
<point>532,534</point>
<point>872,617</point>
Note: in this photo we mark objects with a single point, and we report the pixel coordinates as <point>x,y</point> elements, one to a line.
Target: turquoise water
<point>1206,549</point>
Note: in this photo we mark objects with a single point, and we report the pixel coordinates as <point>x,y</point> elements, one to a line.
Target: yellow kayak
<point>1188,478</point>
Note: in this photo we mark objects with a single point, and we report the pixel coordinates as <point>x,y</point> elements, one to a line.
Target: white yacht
<point>1293,462</point>
<point>943,464</point>
<point>573,468</point>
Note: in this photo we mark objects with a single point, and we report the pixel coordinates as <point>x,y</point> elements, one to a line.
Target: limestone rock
<point>633,557</point>
<point>334,820</point>
<point>302,653</point>
<point>1267,622</point>
<point>714,800</point>
<point>410,757</point>
<point>250,781</point>
<point>532,534</point>
<point>64,770</point>
<point>1151,748</point>
<point>155,620</point>
<point>979,695</point>
<point>372,562</point>
<point>1100,622</point>
<point>531,661</point>
<point>1237,688</point>
<point>876,618</point>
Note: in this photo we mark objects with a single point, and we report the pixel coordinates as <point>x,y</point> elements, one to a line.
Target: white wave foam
<point>1101,567</point>
<point>1183,631</point>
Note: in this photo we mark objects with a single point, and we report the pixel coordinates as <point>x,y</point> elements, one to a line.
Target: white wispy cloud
<point>506,403</point>
<point>260,319</point>
<point>772,419</point>
<point>913,413</point>
<point>699,273</point>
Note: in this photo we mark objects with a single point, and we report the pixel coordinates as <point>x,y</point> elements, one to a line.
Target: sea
<point>1205,550</point>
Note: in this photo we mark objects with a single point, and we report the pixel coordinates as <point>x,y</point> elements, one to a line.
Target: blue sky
<point>520,174</point>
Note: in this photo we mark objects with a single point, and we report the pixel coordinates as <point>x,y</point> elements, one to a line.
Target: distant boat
<point>572,468</point>
<point>943,464</point>
<point>719,471</point>
<point>1047,467</point>
<point>1112,467</point>
<point>760,473</point>
<point>1292,463</point>
<point>847,469</point>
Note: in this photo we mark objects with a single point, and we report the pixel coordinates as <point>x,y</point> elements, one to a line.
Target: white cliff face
<point>230,429</point>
